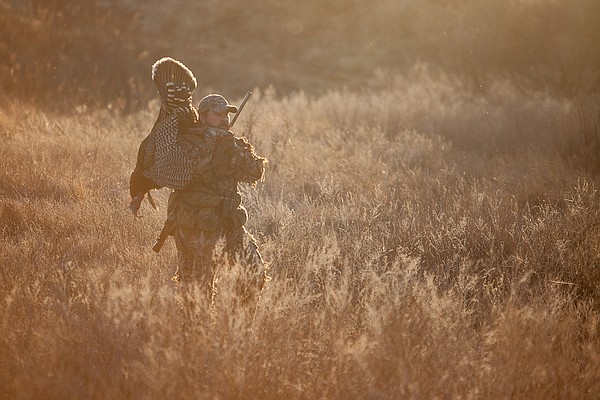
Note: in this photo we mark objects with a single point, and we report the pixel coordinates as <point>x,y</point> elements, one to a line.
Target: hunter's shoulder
<point>209,132</point>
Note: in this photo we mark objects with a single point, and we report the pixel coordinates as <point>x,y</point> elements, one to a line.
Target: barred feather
<point>165,164</point>
<point>172,167</point>
<point>174,81</point>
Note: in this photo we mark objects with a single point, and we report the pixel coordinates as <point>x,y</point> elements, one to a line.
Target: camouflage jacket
<point>220,161</point>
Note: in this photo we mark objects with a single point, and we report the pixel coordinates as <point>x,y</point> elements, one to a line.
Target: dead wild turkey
<point>160,161</point>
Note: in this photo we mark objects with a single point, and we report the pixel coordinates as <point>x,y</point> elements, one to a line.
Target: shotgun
<point>167,230</point>
<point>240,108</point>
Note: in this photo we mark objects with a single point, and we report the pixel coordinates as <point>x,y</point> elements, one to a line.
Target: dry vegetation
<point>430,234</point>
<point>425,242</point>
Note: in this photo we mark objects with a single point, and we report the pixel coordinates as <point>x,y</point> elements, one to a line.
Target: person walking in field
<point>208,212</point>
<point>194,153</point>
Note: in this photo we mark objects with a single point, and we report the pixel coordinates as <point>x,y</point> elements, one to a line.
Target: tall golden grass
<point>424,242</point>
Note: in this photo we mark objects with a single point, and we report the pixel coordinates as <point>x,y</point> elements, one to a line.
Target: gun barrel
<point>167,230</point>
<point>237,114</point>
<point>158,245</point>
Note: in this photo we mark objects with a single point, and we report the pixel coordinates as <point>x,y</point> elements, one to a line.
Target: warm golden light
<point>429,211</point>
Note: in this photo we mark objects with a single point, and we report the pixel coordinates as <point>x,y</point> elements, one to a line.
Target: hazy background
<point>60,53</point>
<point>429,211</point>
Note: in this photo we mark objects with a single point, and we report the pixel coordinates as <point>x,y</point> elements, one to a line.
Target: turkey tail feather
<point>165,163</point>
<point>174,81</point>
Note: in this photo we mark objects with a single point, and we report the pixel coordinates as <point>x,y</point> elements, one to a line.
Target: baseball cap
<point>215,103</point>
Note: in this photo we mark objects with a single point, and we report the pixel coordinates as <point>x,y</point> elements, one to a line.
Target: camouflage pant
<point>201,252</point>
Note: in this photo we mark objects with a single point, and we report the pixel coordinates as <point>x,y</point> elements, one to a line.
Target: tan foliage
<point>432,252</point>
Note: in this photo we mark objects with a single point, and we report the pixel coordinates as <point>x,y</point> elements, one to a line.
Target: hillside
<point>98,53</point>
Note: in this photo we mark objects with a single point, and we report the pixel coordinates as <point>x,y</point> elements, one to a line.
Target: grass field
<point>425,241</point>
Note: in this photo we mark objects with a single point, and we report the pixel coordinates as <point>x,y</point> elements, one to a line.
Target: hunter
<point>194,153</point>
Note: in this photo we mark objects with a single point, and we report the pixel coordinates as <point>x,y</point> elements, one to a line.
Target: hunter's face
<point>216,120</point>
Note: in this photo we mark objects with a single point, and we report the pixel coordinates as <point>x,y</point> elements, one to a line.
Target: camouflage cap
<point>215,103</point>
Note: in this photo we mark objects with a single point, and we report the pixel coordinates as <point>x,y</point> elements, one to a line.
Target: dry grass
<point>424,243</point>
